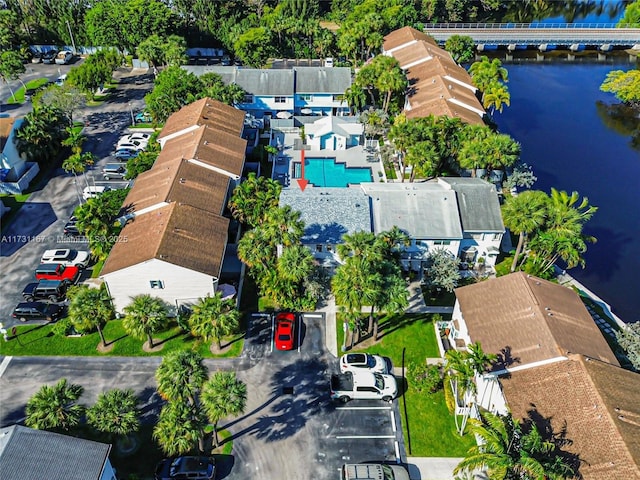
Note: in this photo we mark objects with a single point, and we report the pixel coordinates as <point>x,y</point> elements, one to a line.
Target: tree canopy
<point>624,85</point>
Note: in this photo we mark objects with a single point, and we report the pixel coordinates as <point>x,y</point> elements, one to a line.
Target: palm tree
<point>90,309</point>
<point>180,428</point>
<point>496,96</point>
<point>505,451</point>
<point>180,376</point>
<point>253,198</point>
<point>255,250</point>
<point>283,226</point>
<point>461,377</point>
<point>55,407</point>
<point>223,395</point>
<point>77,164</point>
<point>144,316</point>
<point>524,214</point>
<point>501,151</point>
<point>74,139</point>
<point>478,359</point>
<point>356,98</point>
<point>360,244</point>
<point>115,413</point>
<point>213,318</point>
<point>295,263</point>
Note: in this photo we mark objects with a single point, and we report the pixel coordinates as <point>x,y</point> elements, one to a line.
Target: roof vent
<point>550,314</point>
<point>547,308</point>
<point>206,142</point>
<point>183,180</point>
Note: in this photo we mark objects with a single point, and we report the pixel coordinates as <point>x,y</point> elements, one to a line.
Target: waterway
<point>560,117</point>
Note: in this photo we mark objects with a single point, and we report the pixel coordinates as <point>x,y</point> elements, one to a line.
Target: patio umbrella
<point>227,290</point>
<point>284,115</point>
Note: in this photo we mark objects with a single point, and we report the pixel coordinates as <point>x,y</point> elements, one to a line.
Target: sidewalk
<point>432,468</point>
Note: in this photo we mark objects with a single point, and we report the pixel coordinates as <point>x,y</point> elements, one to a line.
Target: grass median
<point>428,425</point>
<point>40,340</point>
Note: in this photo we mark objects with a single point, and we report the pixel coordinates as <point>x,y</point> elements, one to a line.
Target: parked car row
<point>129,146</point>
<point>58,269</point>
<point>364,377</point>
<point>62,57</point>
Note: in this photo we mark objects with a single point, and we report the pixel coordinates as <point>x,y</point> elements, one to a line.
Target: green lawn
<point>40,340</point>
<point>432,431</point>
<point>19,94</point>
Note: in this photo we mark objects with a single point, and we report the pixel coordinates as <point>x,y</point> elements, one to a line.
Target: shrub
<point>425,378</point>
<point>449,399</point>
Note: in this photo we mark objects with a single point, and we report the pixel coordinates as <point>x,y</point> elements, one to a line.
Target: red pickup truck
<point>57,271</point>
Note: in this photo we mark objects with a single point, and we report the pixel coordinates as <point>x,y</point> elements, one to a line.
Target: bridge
<point>572,35</point>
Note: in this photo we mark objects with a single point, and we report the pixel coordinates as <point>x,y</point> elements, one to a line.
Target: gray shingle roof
<point>322,80</point>
<point>478,203</point>
<point>329,213</point>
<point>422,210</point>
<point>26,454</point>
<point>265,82</point>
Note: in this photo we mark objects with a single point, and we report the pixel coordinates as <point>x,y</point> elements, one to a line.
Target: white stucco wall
<point>179,284</point>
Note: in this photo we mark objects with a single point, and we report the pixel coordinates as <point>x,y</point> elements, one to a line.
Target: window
<point>156,284</point>
<point>307,97</point>
<point>441,242</point>
<point>319,248</point>
<point>280,99</point>
<point>247,99</point>
<point>367,389</point>
<point>496,236</point>
<point>329,248</point>
<point>474,236</point>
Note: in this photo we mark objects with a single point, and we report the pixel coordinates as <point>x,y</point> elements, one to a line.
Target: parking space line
<point>4,365</point>
<point>393,420</point>
<point>397,447</point>
<point>363,408</point>
<point>364,436</point>
<point>312,315</point>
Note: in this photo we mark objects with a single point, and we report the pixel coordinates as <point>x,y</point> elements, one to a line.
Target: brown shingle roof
<point>440,67</point>
<point>179,180</point>
<point>6,125</point>
<point>429,89</point>
<point>420,52</point>
<point>205,111</point>
<point>178,234</point>
<point>599,403</point>
<point>405,35</point>
<point>531,319</point>
<point>216,148</point>
<point>443,107</point>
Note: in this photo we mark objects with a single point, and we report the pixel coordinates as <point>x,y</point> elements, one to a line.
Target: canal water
<point>574,142</point>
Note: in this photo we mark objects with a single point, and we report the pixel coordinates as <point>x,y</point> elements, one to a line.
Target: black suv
<point>70,228</point>
<point>37,311</point>
<point>52,290</point>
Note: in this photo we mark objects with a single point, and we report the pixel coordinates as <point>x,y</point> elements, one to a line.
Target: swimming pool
<point>326,172</point>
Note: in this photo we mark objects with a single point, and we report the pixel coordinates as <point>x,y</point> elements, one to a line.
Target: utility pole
<point>73,43</point>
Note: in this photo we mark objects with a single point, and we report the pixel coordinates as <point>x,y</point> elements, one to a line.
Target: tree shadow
<point>111,342</point>
<point>505,359</point>
<point>558,438</point>
<point>34,218</point>
<point>299,392</point>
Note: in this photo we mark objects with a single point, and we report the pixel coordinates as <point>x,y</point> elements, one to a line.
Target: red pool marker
<point>302,182</point>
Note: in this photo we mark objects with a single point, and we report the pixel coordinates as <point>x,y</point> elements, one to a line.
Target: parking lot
<point>294,429</point>
<point>40,222</point>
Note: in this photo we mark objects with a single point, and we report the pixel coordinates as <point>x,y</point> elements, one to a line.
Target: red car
<point>57,271</point>
<point>285,328</point>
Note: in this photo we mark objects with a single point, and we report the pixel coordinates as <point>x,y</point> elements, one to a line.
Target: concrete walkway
<point>432,468</point>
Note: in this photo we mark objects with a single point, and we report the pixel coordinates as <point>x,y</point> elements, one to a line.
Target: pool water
<point>326,172</point>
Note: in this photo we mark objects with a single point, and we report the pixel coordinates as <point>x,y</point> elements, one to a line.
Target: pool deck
<point>352,157</point>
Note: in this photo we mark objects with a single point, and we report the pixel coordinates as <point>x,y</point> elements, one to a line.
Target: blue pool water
<point>326,172</point>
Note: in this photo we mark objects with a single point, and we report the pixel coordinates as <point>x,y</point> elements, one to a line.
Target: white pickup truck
<point>363,385</point>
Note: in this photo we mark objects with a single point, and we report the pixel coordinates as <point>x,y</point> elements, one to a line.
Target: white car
<point>67,257</point>
<point>363,385</point>
<point>64,57</point>
<point>365,361</point>
<point>132,145</point>
<point>94,191</point>
<point>135,137</point>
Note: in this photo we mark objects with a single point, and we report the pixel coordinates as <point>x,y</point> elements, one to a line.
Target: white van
<point>94,191</point>
<point>61,79</point>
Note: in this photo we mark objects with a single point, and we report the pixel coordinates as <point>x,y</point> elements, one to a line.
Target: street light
<point>133,120</point>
